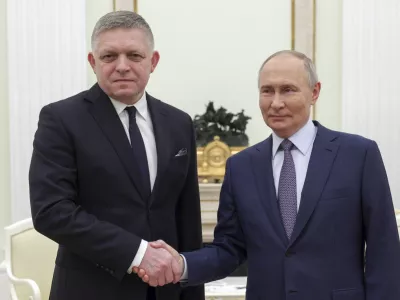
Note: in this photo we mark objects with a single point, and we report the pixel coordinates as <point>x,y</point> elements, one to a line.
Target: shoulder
<point>245,155</point>
<point>355,140</point>
<point>349,140</point>
<point>70,104</point>
<point>178,115</point>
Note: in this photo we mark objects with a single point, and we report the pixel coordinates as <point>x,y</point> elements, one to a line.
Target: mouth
<point>277,117</point>
<point>123,80</point>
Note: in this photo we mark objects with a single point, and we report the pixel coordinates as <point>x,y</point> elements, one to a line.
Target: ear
<point>315,93</point>
<point>154,60</point>
<point>92,61</point>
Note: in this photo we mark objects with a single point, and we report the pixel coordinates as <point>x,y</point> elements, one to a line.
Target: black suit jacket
<point>86,195</point>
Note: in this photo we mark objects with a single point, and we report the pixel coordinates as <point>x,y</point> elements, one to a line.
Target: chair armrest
<point>22,281</point>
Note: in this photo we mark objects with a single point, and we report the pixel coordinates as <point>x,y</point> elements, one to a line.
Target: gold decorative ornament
<point>212,158</point>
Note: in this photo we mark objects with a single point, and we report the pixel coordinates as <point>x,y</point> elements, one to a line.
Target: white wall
<point>94,10</point>
<point>5,210</point>
<point>371,105</point>
<point>212,50</point>
<point>46,64</point>
<point>328,60</point>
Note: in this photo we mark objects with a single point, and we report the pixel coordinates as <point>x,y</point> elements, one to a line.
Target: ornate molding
<point>303,20</point>
<point>125,5</point>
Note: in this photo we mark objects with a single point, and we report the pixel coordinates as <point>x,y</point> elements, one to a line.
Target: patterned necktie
<point>139,149</point>
<point>287,192</point>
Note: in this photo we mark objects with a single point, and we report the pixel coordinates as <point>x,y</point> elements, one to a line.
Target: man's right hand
<point>177,264</point>
<point>158,264</point>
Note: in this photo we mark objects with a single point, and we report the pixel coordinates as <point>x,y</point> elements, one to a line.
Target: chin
<point>278,124</point>
<point>125,93</point>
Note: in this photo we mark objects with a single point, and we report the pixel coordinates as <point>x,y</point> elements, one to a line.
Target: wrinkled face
<point>285,95</point>
<point>123,61</point>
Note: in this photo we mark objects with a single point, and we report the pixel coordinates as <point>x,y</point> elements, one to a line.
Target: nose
<point>277,102</point>
<point>122,64</point>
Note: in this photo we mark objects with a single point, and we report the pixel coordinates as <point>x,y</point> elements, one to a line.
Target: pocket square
<point>181,152</point>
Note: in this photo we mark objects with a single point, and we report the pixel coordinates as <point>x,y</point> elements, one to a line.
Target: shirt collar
<point>302,139</point>
<point>141,106</point>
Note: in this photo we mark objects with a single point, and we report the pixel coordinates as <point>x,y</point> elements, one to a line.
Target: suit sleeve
<point>54,189</point>
<point>382,269</point>
<point>189,217</point>
<point>228,250</point>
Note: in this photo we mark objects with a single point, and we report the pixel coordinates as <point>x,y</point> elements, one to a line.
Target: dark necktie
<point>287,192</point>
<point>139,149</point>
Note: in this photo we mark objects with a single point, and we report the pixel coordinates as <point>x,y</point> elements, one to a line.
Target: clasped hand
<point>161,264</point>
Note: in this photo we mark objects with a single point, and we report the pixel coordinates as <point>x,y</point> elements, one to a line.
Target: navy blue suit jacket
<point>345,205</point>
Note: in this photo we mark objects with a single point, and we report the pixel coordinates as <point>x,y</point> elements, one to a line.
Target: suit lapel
<point>262,166</point>
<point>106,117</point>
<point>162,133</point>
<point>322,157</point>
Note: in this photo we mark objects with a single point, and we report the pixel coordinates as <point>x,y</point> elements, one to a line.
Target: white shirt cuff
<point>139,256</point>
<point>184,276</point>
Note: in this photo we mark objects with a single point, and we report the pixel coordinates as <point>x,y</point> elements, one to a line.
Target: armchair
<point>29,261</point>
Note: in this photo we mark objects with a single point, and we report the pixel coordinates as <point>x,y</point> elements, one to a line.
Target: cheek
<point>107,70</point>
<point>144,69</point>
<point>295,105</point>
<point>264,104</point>
<point>104,70</point>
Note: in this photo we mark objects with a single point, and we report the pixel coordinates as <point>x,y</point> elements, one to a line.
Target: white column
<point>46,63</point>
<point>370,82</point>
<point>328,60</point>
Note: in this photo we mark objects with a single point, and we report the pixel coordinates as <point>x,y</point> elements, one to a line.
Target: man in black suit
<point>113,168</point>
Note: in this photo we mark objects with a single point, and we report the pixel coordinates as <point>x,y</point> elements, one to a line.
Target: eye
<point>135,56</point>
<point>267,90</point>
<point>107,57</point>
<point>287,89</point>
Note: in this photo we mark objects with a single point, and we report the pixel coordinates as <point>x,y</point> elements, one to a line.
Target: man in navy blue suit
<point>309,208</point>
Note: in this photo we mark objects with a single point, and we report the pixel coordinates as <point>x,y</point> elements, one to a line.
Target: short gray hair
<point>308,65</point>
<point>122,19</point>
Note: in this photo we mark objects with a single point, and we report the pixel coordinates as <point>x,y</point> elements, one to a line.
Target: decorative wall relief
<point>219,134</point>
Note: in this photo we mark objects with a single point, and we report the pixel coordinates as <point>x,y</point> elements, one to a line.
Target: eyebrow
<point>278,86</point>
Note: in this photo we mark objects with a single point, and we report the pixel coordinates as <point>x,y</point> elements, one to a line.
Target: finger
<point>135,269</point>
<point>177,268</point>
<point>161,279</point>
<point>145,278</point>
<point>170,249</point>
<point>169,275</point>
<point>153,282</point>
<point>141,273</point>
<point>161,244</point>
<point>158,244</point>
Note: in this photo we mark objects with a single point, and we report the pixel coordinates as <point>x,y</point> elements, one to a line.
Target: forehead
<point>284,69</point>
<point>119,39</point>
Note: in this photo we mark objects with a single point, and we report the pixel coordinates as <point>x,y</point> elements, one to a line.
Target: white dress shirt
<point>143,120</point>
<point>303,141</point>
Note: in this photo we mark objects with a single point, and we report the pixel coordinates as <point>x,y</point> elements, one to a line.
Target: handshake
<point>160,265</point>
